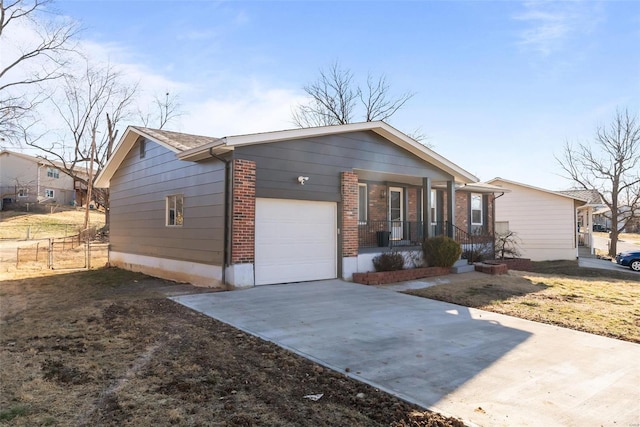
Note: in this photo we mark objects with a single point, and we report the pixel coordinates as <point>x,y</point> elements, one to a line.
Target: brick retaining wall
<point>384,277</point>
<point>522,264</point>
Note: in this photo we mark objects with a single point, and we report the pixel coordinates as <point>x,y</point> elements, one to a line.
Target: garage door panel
<point>295,240</point>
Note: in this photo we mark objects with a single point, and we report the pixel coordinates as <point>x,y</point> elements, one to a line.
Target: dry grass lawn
<point>560,293</point>
<point>106,347</point>
<point>65,221</point>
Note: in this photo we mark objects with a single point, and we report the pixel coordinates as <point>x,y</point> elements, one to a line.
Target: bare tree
<point>336,99</point>
<point>507,244</point>
<point>93,104</point>
<point>162,112</point>
<point>611,165</point>
<point>29,62</point>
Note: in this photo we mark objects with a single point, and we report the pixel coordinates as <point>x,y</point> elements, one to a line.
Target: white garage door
<point>295,241</point>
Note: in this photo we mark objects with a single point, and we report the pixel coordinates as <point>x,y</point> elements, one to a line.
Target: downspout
<point>227,203</point>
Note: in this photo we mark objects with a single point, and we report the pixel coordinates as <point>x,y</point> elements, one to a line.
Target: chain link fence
<point>71,252</point>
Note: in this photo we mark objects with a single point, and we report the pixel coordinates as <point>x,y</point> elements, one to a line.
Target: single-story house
<point>549,225</point>
<point>286,206</point>
<point>26,180</point>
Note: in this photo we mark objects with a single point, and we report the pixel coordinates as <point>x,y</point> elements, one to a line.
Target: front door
<point>396,212</point>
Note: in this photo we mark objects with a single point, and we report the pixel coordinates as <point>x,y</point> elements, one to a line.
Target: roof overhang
<point>483,187</point>
<point>531,187</point>
<point>229,143</point>
<point>381,128</point>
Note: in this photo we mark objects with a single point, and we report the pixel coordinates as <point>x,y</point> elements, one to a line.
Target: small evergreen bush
<point>388,261</point>
<point>441,251</point>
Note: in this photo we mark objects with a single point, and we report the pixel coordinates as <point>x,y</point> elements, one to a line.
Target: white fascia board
<point>199,153</point>
<point>425,153</point>
<point>482,187</point>
<point>555,193</point>
<point>379,127</point>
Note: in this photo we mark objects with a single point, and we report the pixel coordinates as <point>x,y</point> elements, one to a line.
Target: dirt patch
<point>106,347</point>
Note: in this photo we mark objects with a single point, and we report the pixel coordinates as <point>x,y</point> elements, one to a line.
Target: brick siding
<point>384,277</point>
<point>244,212</point>
<point>349,232</point>
<point>495,269</point>
<point>412,203</point>
<point>377,205</point>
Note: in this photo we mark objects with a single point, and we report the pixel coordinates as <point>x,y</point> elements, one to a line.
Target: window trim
<point>168,207</point>
<point>366,203</point>
<point>23,192</point>
<point>434,206</point>
<point>53,193</point>
<point>477,195</point>
<point>53,173</point>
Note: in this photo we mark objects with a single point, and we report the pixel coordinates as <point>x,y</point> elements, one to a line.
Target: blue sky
<point>499,85</point>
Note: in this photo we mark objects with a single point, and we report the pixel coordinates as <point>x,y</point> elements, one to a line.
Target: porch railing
<point>390,234</point>
<point>393,234</point>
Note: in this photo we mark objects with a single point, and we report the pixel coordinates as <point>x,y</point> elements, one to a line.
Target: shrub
<point>479,253</point>
<point>388,261</point>
<point>441,251</point>
<point>472,256</point>
<point>507,245</point>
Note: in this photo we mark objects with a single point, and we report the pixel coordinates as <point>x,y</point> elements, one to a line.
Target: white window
<point>362,203</point>
<point>476,209</point>
<point>23,192</point>
<point>53,173</point>
<point>502,227</point>
<point>434,206</point>
<point>50,194</point>
<point>174,210</point>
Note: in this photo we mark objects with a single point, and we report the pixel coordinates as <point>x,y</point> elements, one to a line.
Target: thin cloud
<point>258,109</point>
<point>549,26</point>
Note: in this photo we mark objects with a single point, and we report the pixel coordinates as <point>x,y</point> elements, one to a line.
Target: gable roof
<point>531,187</point>
<point>194,147</point>
<point>591,196</point>
<point>179,141</point>
<point>79,169</point>
<point>34,159</point>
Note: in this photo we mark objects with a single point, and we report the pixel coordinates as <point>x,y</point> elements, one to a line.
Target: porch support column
<point>240,272</point>
<point>590,229</point>
<point>349,224</point>
<point>426,206</point>
<point>451,208</point>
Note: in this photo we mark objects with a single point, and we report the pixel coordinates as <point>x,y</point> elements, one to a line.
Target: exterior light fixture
<point>303,179</point>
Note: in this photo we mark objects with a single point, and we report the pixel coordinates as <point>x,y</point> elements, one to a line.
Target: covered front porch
<point>393,212</point>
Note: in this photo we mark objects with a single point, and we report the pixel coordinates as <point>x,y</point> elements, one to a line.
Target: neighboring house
<point>585,214</point>
<point>549,225</point>
<point>25,180</point>
<point>286,206</point>
<point>602,218</point>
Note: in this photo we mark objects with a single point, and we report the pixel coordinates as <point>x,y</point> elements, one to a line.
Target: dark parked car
<point>629,259</point>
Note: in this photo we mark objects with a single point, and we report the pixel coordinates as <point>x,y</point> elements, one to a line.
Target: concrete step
<point>461,262</point>
<point>466,268</point>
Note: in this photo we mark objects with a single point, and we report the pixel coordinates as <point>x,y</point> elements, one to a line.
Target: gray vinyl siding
<point>138,192</point>
<point>278,164</point>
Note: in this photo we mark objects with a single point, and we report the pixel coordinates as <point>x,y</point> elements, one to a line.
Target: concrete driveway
<point>485,368</point>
